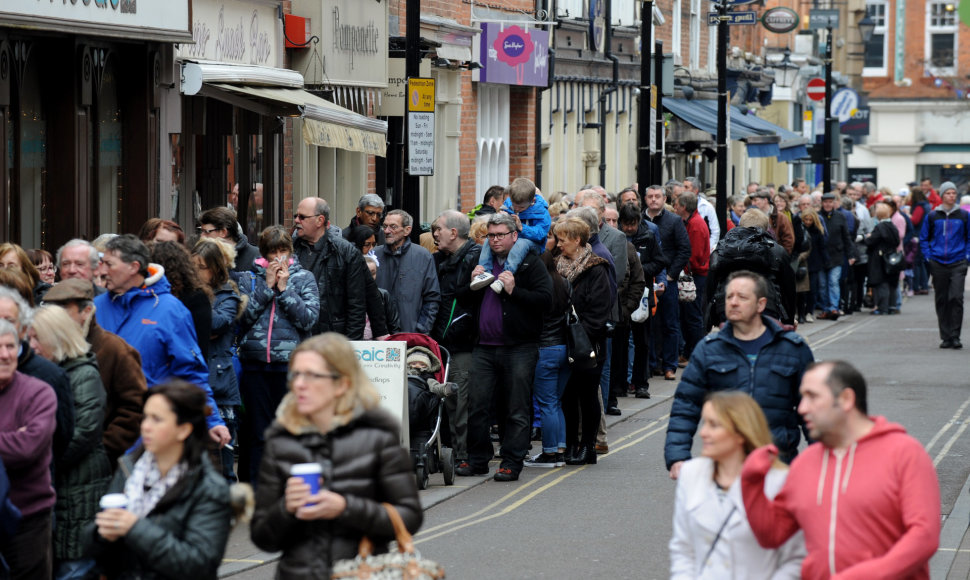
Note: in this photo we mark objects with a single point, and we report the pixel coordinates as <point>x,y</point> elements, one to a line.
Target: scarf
<point>570,269</point>
<point>146,486</point>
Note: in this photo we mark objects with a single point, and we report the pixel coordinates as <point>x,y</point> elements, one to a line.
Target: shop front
<point>81,86</point>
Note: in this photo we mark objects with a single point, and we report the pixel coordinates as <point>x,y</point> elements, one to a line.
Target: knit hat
<point>946,186</point>
<point>423,355</point>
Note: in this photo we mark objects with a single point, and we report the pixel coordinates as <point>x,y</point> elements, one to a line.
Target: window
<point>874,60</point>
<point>675,29</point>
<point>941,38</point>
<point>695,34</point>
<point>492,165</point>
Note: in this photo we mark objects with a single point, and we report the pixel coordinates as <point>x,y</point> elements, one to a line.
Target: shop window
<point>493,137</point>
<point>32,166</point>
<point>941,38</point>
<point>695,34</point>
<point>874,60</point>
<point>109,153</point>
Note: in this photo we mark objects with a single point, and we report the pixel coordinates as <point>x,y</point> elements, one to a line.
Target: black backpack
<point>745,249</point>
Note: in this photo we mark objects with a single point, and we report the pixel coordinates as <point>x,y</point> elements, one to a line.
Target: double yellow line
<point>554,477</point>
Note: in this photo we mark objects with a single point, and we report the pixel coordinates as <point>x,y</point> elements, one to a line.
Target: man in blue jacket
<point>140,308</point>
<point>751,353</point>
<point>945,243</point>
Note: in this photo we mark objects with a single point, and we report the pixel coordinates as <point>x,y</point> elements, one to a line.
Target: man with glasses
<point>79,259</point>
<point>408,273</point>
<point>337,266</point>
<point>220,222</point>
<point>504,359</point>
<point>370,209</point>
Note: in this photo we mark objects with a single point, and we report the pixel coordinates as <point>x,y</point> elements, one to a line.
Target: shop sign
<point>156,20</point>
<point>352,50</point>
<point>235,32</point>
<point>514,55</point>
<point>858,124</point>
<point>384,364</point>
<point>780,20</point>
<point>392,102</point>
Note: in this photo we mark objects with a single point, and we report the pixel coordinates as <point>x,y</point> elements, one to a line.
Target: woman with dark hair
<point>44,263</point>
<point>184,278</point>
<point>363,237</point>
<point>213,258</point>
<point>380,320</point>
<point>818,256</point>
<point>331,416</point>
<point>883,241</point>
<point>159,230</point>
<point>14,257</point>
<point>284,305</point>
<point>177,518</point>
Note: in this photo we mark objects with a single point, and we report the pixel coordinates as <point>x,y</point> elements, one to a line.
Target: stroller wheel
<point>421,473</point>
<point>448,465</point>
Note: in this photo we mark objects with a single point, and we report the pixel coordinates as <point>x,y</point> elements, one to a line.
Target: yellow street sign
<point>421,95</point>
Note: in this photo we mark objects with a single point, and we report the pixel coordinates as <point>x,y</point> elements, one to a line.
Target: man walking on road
<point>752,353</point>
<point>865,494</point>
<point>945,243</point>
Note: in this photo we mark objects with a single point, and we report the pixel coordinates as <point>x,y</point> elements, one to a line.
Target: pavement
<point>951,561</point>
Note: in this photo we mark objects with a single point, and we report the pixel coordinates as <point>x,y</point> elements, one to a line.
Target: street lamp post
<point>827,139</point>
<point>644,173</point>
<point>720,207</point>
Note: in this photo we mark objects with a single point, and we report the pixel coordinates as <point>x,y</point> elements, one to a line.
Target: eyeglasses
<point>311,376</point>
<point>206,232</point>
<point>300,216</point>
<point>48,268</point>
<point>392,227</point>
<point>498,236</point>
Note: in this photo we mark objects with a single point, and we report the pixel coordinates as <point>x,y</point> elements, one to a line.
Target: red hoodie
<point>870,511</point>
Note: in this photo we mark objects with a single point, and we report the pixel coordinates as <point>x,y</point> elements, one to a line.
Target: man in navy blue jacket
<point>945,243</point>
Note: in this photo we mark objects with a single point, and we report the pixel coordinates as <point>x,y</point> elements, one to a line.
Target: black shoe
<point>946,344</point>
<point>614,411</point>
<point>643,393</point>
<point>956,344</point>
<point>466,470</point>
<point>581,456</point>
<point>506,474</point>
<point>546,460</point>
<point>536,434</point>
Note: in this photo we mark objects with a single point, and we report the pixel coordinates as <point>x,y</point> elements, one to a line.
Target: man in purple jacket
<point>27,422</point>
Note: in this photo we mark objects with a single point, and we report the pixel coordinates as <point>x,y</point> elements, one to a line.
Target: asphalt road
<point>613,519</point>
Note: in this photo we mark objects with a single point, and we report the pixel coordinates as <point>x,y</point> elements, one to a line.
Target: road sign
<point>816,89</point>
<point>823,19</point>
<point>845,101</point>
<point>745,17</point>
<point>421,95</point>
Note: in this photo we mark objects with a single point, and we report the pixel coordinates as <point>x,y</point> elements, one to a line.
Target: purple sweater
<point>30,404</point>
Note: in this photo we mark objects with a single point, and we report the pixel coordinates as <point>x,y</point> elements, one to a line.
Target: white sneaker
<point>482,280</point>
<point>497,286</point>
<point>643,312</point>
<point>809,317</point>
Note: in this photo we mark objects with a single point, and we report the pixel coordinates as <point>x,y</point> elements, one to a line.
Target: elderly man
<point>118,363</point>
<point>781,227</point>
<point>455,259</point>
<point>839,246</point>
<point>337,266</point>
<point>408,273</point>
<point>79,259</point>
<point>140,308</point>
<point>27,423</point>
<point>370,210</point>
<point>507,326</point>
<point>220,223</point>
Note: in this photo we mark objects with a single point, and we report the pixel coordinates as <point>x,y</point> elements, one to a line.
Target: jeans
<point>229,417</point>
<point>692,318</point>
<point>73,569</point>
<point>605,375</point>
<point>552,372</point>
<point>829,290</point>
<point>507,371</point>
<point>459,372</point>
<point>948,280</point>
<point>519,251</point>
<point>921,279</point>
<point>666,326</point>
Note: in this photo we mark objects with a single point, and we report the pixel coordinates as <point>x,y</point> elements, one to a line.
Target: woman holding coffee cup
<point>173,519</point>
<point>331,419</point>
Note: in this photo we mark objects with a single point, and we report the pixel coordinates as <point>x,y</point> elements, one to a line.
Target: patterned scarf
<point>569,269</point>
<point>146,486</point>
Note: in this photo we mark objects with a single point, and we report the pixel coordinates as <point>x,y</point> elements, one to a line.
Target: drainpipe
<point>542,9</point>
<point>608,44</point>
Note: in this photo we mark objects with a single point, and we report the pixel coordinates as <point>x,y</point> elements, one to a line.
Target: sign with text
<point>393,102</point>
<point>421,95</point>
<point>845,101</point>
<point>384,364</point>
<point>818,19</point>
<point>353,42</point>
<point>235,32</point>
<point>741,17</point>
<point>420,143</point>
<point>169,20</point>
<point>512,55</point>
<point>858,124</point>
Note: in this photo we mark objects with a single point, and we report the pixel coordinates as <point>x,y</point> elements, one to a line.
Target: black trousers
<point>948,280</point>
<point>28,552</point>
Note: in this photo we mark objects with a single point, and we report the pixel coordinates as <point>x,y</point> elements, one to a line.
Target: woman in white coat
<point>712,538</point>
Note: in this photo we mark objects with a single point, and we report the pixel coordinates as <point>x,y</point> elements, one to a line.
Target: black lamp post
<point>644,173</point>
<point>827,140</point>
<point>720,208</point>
<point>785,71</point>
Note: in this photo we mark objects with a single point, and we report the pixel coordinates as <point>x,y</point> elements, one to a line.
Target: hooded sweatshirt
<point>869,511</point>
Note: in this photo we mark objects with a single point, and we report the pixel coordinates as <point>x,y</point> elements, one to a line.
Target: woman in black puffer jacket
<point>332,417</point>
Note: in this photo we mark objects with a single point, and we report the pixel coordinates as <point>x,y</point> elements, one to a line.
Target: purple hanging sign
<point>514,56</point>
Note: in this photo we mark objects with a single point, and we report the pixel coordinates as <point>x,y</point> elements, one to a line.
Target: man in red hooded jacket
<point>865,494</point>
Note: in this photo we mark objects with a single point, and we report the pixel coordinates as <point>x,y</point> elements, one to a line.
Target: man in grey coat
<point>408,273</point>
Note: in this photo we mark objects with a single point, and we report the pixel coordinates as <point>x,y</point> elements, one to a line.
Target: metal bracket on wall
<point>21,52</point>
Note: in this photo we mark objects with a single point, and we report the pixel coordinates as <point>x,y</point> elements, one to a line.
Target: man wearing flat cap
<point>839,246</point>
<point>118,362</point>
<point>945,242</point>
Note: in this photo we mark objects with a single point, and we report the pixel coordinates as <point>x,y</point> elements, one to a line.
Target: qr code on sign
<point>393,355</point>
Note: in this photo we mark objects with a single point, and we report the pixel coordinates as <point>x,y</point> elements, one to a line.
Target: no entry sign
<point>816,89</point>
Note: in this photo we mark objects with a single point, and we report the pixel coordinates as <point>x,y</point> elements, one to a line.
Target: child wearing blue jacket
<point>531,211</point>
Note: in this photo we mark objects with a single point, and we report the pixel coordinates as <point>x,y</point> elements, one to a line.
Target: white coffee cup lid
<point>114,500</point>
<point>306,469</point>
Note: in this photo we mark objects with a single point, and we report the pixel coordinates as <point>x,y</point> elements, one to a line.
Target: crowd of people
<point>166,367</point>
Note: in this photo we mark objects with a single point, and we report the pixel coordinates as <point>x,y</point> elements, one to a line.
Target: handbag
<point>686,289</point>
<point>401,561</point>
<point>580,351</point>
<point>892,263</point>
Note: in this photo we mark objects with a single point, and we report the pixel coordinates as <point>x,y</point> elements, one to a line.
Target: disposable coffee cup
<point>114,501</point>
<point>310,473</point>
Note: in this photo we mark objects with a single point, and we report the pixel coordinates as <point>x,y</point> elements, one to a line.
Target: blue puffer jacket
<point>945,237</point>
<point>222,375</point>
<point>160,328</point>
<point>277,321</point>
<point>535,220</point>
<point>719,364</point>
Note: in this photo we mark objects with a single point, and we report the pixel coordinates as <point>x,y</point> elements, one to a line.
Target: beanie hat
<point>419,357</point>
<point>946,186</point>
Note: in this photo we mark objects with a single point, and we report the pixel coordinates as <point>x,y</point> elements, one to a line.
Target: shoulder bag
<point>579,349</point>
<point>686,289</point>
<point>892,262</point>
<point>401,562</point>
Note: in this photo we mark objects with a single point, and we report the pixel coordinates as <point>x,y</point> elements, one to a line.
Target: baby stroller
<point>425,410</point>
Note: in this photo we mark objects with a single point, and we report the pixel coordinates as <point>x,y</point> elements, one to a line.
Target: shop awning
<point>762,138</point>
